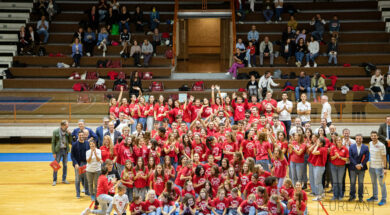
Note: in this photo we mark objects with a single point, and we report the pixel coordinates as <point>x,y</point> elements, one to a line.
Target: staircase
<point>384,7</point>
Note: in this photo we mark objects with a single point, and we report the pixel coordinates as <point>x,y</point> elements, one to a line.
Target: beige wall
<point>204,36</point>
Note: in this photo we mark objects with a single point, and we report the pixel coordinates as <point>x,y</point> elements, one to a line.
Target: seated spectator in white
<point>89,41</point>
<point>265,84</point>
<point>300,51</point>
<point>287,50</point>
<point>240,45</point>
<point>319,26</point>
<point>377,82</point>
<point>253,35</point>
<point>253,86</point>
<point>268,10</point>
<point>251,55</point>
<point>239,62</point>
<point>266,50</point>
<point>334,27</point>
<point>102,10</point>
<point>313,48</point>
<point>51,9</point>
<point>304,85</point>
<point>278,9</point>
<point>124,38</point>
<point>318,85</point>
<point>156,40</point>
<point>147,51</point>
<point>135,52</point>
<point>124,18</point>
<point>43,28</point>
<point>103,40</point>
<point>332,51</point>
<point>77,52</point>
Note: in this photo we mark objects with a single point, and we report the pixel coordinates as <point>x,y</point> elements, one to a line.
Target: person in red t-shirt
<point>149,112</point>
<point>199,147</point>
<point>168,206</point>
<point>297,151</point>
<point>127,179</point>
<point>268,100</point>
<point>203,203</point>
<point>195,109</point>
<point>141,178</point>
<point>263,151</point>
<point>287,190</point>
<point>107,149</point>
<point>220,204</point>
<point>229,146</point>
<point>245,177</point>
<point>114,104</point>
<point>249,206</point>
<point>296,206</point>
<point>275,206</point>
<point>339,154</point>
<point>279,164</point>
<point>252,185</point>
<point>199,178</point>
<point>151,206</point>
<point>188,205</point>
<point>136,206</point>
<point>320,153</point>
<point>158,180</point>
<point>234,201</point>
<point>248,146</point>
<point>240,106</point>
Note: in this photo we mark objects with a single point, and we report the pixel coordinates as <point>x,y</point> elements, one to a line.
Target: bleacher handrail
<point>233,24</point>
<point>174,36</point>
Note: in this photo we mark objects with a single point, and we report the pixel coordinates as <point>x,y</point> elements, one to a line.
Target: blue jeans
<point>298,91</point>
<point>359,174</point>
<point>142,120</point>
<point>232,211</point>
<point>134,125</point>
<point>280,182</point>
<point>305,168</point>
<point>45,33</point>
<point>311,57</point>
<point>104,200</point>
<point>126,24</point>
<point>279,12</point>
<point>311,178</point>
<point>317,35</point>
<point>62,154</point>
<point>377,174</point>
<point>129,193</point>
<point>268,14</point>
<point>318,89</point>
<point>81,178</point>
<point>337,179</point>
<point>332,57</point>
<point>167,208</point>
<point>242,12</point>
<point>264,164</point>
<point>102,15</point>
<point>296,172</point>
<point>153,25</point>
<point>219,212</point>
<point>299,56</point>
<point>318,172</point>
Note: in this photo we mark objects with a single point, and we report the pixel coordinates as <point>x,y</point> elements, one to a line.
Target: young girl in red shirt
<point>215,178</point>
<point>199,178</point>
<point>151,204</point>
<point>151,166</point>
<point>229,146</point>
<point>169,170</point>
<point>279,164</point>
<point>141,178</point>
<point>215,148</point>
<point>167,204</point>
<point>171,149</point>
<point>275,206</point>
<point>245,177</point>
<point>223,170</point>
<point>234,201</point>
<point>154,150</point>
<point>186,147</point>
<point>220,204</point>
<point>297,159</point>
<point>136,206</point>
<point>232,177</point>
<point>127,179</point>
<point>108,149</point>
<point>188,188</point>
<point>188,205</point>
<point>114,104</point>
<point>296,206</point>
<point>202,203</point>
<point>158,180</point>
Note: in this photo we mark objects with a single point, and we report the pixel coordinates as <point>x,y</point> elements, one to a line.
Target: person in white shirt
<point>304,109</point>
<point>297,123</point>
<point>284,109</point>
<point>377,82</point>
<point>347,141</point>
<point>122,122</point>
<point>313,48</point>
<point>265,84</point>
<point>377,168</point>
<point>120,201</point>
<point>94,165</point>
<point>326,111</point>
<point>324,126</point>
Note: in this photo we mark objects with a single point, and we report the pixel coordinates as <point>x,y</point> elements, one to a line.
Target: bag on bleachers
<point>115,29</point>
<point>80,87</point>
<point>92,75</point>
<point>100,85</point>
<point>198,86</point>
<point>156,86</point>
<point>277,74</point>
<point>242,76</point>
<point>75,76</point>
<point>184,87</point>
<point>113,64</point>
<point>255,73</point>
<point>83,98</point>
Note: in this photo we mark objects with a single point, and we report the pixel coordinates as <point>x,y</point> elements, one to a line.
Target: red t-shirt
<point>288,191</point>
<point>248,148</point>
<point>239,110</point>
<point>215,181</point>
<point>194,111</point>
<point>251,188</point>
<point>207,111</point>
<point>131,178</point>
<point>199,148</point>
<point>216,151</point>
<point>198,180</point>
<point>184,192</point>
<point>343,152</point>
<point>202,205</point>
<point>282,145</point>
<point>320,160</point>
<point>271,190</point>
<point>125,109</point>
<point>136,209</point>
<point>294,156</point>
<point>134,110</point>
<point>244,180</point>
<point>185,171</point>
<point>147,205</point>
<point>140,182</point>
<point>234,202</point>
<point>263,176</point>
<point>262,150</point>
<point>272,102</point>
<point>159,183</point>
<point>229,147</point>
<point>103,186</point>
<point>245,206</point>
<point>160,109</point>
<point>186,114</point>
<point>115,110</point>
<point>294,209</point>
<point>106,153</point>
<point>273,209</point>
<point>280,168</point>
<point>252,50</point>
<point>220,204</point>
<point>150,108</point>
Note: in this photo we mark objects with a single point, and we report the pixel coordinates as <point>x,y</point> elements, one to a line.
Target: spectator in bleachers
<point>124,18</point>
<point>287,50</point>
<point>278,9</point>
<point>299,35</point>
<point>268,10</point>
<point>252,87</point>
<point>313,49</point>
<point>154,19</point>
<point>156,40</point>
<point>252,5</point>
<point>147,51</point>
<point>251,54</point>
<point>103,40</point>
<point>334,27</point>
<point>114,4</point>
<point>266,50</point>
<point>124,38</point>
<point>240,45</point>
<point>111,20</point>
<point>288,34</point>
<point>135,84</point>
<point>51,9</point>
<point>40,7</point>
<point>43,28</point>
<point>303,85</point>
<point>135,52</point>
<point>240,10</point>
<point>332,51</point>
<point>238,58</point>
<point>377,82</point>
<point>293,24</point>
<point>253,35</point>
<point>79,34</point>
<point>319,27</point>
<point>102,10</point>
<point>77,52</point>
<point>139,18</point>
<point>300,51</point>
<point>265,84</point>
<point>388,81</point>
<point>93,19</point>
<point>22,40</point>
<point>318,85</point>
<point>89,41</point>
<point>33,40</point>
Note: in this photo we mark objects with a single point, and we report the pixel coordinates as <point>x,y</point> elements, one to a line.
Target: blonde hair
<point>149,193</point>
<point>111,145</point>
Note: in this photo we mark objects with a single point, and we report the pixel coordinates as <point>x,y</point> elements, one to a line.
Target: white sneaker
<point>276,21</point>
<point>280,18</point>
<point>234,78</point>
<point>307,66</point>
<point>83,190</point>
<point>315,64</point>
<point>86,211</point>
<point>250,66</point>
<point>238,14</point>
<point>155,54</point>
<point>104,54</point>
<point>99,47</point>
<point>318,198</point>
<point>228,73</point>
<point>121,52</point>
<point>298,64</point>
<point>74,64</point>
<point>88,54</point>
<point>382,98</point>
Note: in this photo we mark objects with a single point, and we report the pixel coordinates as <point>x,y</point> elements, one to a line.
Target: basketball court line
<point>27,157</point>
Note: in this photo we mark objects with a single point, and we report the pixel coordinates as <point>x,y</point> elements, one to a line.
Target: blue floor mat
<point>38,101</point>
<point>27,157</point>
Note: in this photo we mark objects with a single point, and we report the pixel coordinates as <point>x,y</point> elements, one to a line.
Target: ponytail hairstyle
<point>299,197</point>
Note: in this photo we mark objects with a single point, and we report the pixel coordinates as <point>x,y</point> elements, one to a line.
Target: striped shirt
<point>377,152</point>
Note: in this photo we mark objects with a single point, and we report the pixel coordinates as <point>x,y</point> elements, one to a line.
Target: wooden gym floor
<point>25,188</point>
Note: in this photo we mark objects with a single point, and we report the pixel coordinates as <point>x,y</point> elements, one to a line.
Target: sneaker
<point>360,200</point>
<point>234,78</point>
<point>228,73</point>
<point>238,14</point>
<point>382,98</point>
<point>298,64</point>
<point>307,66</point>
<point>104,54</point>
<point>74,64</point>
<point>121,52</point>
<point>88,54</point>
<point>65,182</point>
<point>83,190</point>
<point>280,18</point>
<point>334,198</point>
<point>86,211</point>
<point>351,199</point>
<point>155,54</point>
<point>372,199</point>
<point>276,21</point>
<point>77,197</point>
<point>382,202</point>
<point>99,47</point>
<point>250,66</point>
<point>376,100</point>
<point>318,198</point>
<point>315,64</point>
<point>54,183</point>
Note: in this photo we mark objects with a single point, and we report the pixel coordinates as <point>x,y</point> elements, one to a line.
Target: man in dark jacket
<point>384,135</point>
<point>78,156</point>
<point>81,128</point>
<point>60,148</point>
<point>303,85</point>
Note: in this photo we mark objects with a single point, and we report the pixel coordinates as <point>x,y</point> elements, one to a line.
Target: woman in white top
<point>94,165</point>
<point>313,48</point>
<point>304,109</point>
<point>377,82</point>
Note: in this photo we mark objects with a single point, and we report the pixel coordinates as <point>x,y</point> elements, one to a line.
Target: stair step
<point>186,76</point>
<point>10,26</point>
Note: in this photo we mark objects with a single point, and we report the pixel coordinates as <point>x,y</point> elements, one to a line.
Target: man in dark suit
<point>358,156</point>
<point>114,134</point>
<point>101,130</point>
<point>76,131</point>
<point>384,136</point>
<point>33,40</point>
